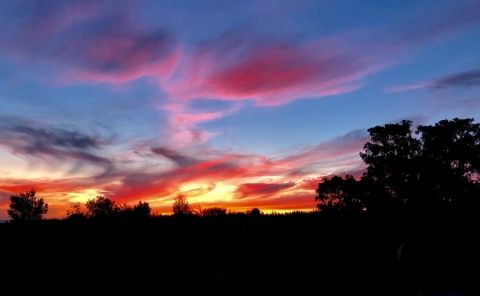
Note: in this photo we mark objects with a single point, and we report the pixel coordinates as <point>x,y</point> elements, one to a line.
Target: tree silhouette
<point>451,161</point>
<point>180,206</point>
<point>142,210</point>
<point>102,207</point>
<point>392,159</point>
<point>438,166</point>
<point>338,194</point>
<point>27,207</point>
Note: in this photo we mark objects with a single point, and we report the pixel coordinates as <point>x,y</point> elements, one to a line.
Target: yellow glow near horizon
<point>221,192</point>
<point>84,195</point>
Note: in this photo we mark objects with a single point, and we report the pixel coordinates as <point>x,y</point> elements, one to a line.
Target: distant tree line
<point>26,207</point>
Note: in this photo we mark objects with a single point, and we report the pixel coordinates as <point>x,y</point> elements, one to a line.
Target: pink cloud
<point>93,42</point>
<point>269,71</point>
<point>183,122</point>
<point>59,185</point>
<point>262,69</point>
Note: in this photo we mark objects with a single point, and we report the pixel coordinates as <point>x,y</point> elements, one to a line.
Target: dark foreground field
<point>301,254</point>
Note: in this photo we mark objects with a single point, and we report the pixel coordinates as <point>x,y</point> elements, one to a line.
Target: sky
<point>234,104</point>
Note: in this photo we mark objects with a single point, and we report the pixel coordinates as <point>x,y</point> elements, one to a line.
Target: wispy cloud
<point>462,79</point>
<point>92,41</point>
<point>267,70</point>
<point>466,79</point>
<point>261,189</point>
<point>175,156</point>
<point>53,145</point>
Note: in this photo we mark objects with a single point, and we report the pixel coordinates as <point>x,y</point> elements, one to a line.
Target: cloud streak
<point>51,144</point>
<point>465,79</point>
<point>260,189</point>
<point>92,41</point>
<point>269,71</point>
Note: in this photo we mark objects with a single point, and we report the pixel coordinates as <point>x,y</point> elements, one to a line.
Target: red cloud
<point>269,71</point>
<point>261,189</point>
<point>309,184</point>
<point>220,168</point>
<point>50,186</point>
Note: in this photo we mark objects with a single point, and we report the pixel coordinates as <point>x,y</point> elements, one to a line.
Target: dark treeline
<point>407,226</point>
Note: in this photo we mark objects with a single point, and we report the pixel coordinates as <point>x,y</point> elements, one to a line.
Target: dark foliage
<point>255,212</point>
<point>102,207</point>
<point>140,211</point>
<point>435,168</point>
<point>338,194</point>
<point>27,207</point>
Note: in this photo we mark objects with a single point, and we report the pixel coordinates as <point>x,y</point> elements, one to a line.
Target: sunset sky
<point>237,104</point>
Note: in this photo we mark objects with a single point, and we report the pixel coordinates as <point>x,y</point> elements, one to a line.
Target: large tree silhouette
<point>438,166</point>
<point>451,161</point>
<point>27,207</point>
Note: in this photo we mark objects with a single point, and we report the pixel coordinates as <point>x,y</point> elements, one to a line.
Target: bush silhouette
<point>255,212</point>
<point>141,210</point>
<point>27,207</point>
<point>102,207</point>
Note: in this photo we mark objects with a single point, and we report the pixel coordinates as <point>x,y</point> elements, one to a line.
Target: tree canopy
<point>27,207</point>
<point>435,166</point>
